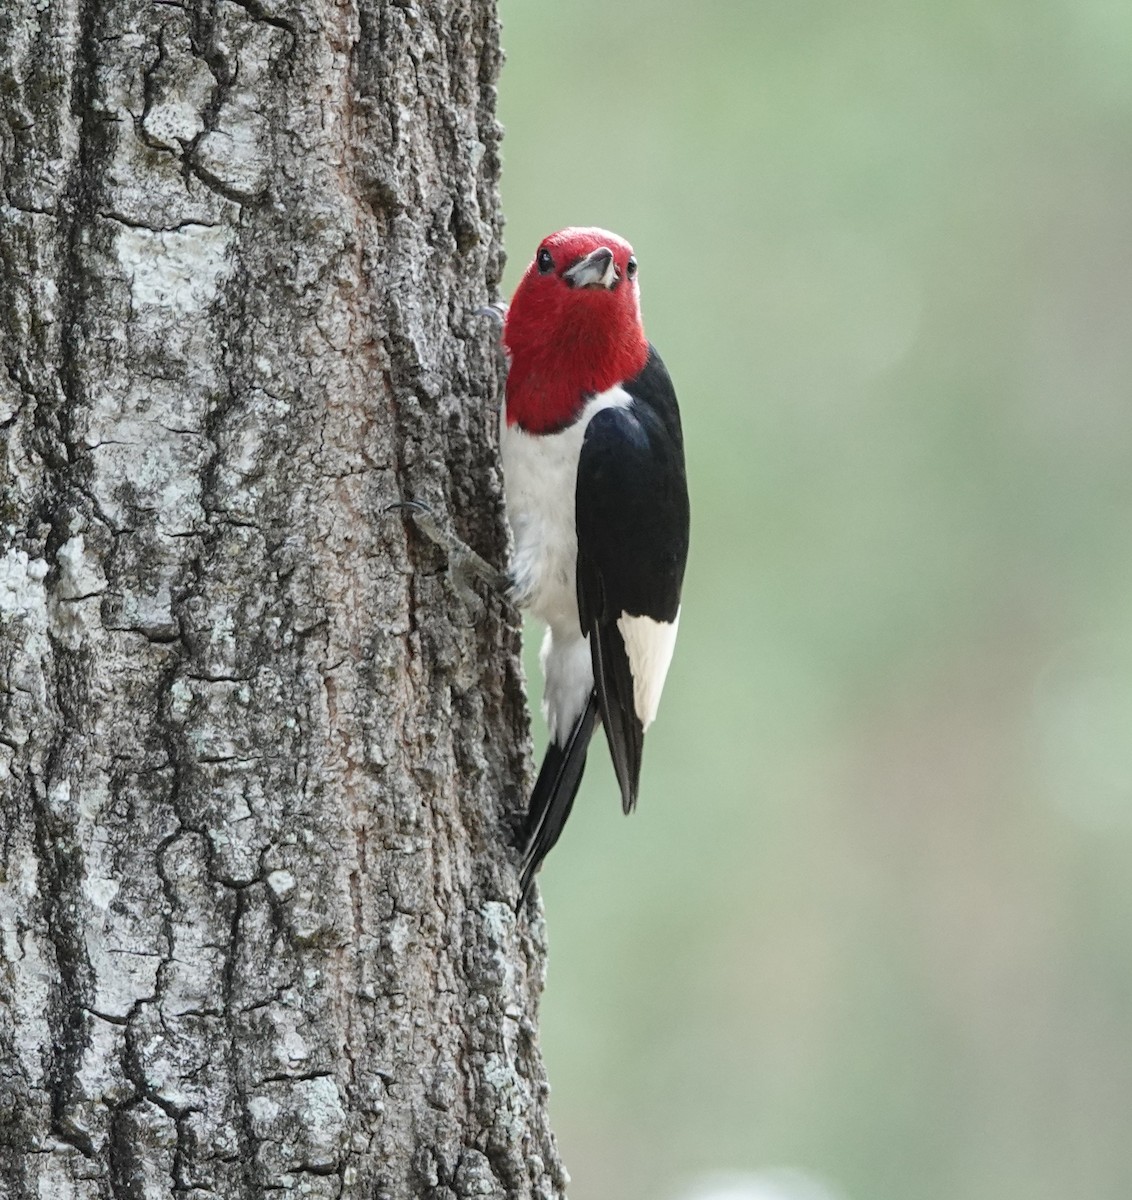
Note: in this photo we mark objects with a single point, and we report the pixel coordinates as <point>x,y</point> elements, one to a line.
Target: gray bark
<point>259,762</point>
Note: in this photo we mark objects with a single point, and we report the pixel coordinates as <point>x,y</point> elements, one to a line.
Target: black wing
<point>632,521</point>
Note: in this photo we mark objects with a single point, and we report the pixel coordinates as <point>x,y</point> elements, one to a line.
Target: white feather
<point>540,474</point>
<point>649,645</point>
<point>569,674</point>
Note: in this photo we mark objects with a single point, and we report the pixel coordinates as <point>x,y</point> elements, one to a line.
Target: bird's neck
<point>548,385</point>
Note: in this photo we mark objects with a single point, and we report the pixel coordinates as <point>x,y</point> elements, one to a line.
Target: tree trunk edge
<point>259,762</point>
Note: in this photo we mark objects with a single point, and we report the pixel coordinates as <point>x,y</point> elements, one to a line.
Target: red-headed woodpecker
<point>593,466</point>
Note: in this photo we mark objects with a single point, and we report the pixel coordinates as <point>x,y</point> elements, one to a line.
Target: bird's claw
<point>496,312</point>
<point>464,564</point>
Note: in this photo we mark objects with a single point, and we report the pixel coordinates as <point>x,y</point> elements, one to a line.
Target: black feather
<point>623,730</point>
<point>553,796</point>
<point>632,518</point>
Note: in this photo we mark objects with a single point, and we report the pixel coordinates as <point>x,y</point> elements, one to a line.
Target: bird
<point>596,494</point>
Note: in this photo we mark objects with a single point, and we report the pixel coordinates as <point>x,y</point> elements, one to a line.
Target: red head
<point>573,328</point>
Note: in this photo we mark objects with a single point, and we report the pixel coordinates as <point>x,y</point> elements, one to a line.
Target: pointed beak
<point>597,269</point>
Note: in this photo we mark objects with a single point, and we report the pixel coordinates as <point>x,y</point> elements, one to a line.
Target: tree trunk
<point>259,761</point>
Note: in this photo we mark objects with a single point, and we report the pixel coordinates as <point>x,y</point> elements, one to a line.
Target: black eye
<point>545,262</point>
<point>631,268</point>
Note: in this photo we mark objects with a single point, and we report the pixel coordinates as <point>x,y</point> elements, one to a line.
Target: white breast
<point>540,474</point>
<point>540,477</point>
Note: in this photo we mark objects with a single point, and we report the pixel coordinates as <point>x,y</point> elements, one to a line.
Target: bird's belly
<point>540,477</point>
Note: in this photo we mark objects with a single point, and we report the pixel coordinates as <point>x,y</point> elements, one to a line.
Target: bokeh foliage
<point>872,917</point>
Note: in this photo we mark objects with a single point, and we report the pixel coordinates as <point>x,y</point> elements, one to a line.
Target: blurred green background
<point>873,917</point>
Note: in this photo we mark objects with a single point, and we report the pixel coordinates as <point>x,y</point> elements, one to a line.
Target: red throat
<point>567,344</point>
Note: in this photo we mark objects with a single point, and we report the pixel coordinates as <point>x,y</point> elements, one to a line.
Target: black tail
<point>553,794</point>
<point>623,729</point>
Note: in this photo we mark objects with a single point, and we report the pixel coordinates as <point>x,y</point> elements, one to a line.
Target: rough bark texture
<point>259,762</point>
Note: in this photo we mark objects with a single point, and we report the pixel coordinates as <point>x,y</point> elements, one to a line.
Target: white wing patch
<point>649,645</point>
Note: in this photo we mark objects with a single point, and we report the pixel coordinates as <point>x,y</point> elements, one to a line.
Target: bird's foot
<point>496,311</point>
<point>464,564</point>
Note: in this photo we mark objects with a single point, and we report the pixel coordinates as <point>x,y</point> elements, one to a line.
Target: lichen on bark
<point>259,762</point>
